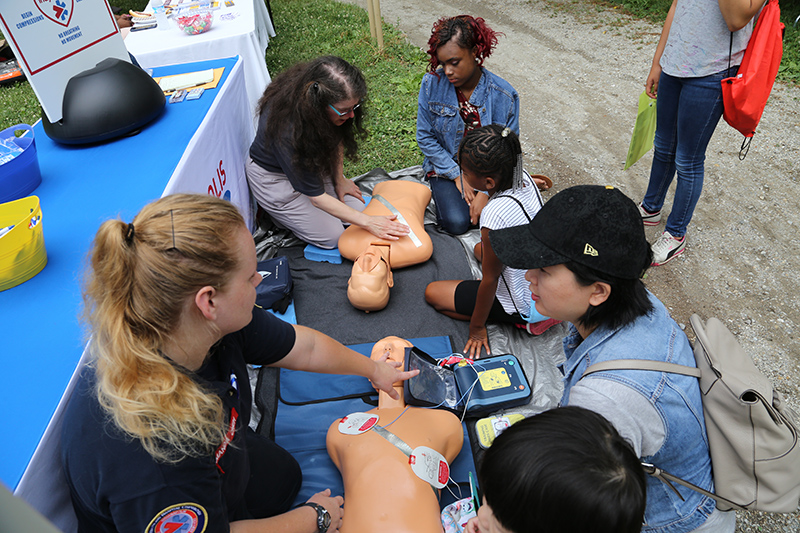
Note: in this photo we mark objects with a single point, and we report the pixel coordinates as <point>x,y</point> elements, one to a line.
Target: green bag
<point>644,131</point>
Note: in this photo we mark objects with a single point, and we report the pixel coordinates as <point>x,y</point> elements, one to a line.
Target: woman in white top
<point>702,42</point>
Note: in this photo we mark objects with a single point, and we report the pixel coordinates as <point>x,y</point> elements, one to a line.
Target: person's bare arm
<point>316,352</point>
<point>651,83</point>
<point>491,269</point>
<point>300,520</point>
<point>737,13</point>
<point>383,227</point>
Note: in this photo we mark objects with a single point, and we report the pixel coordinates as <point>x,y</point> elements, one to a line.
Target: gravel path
<point>579,70</point>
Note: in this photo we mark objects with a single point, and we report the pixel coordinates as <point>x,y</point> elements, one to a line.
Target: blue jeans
<point>687,112</point>
<point>452,212</point>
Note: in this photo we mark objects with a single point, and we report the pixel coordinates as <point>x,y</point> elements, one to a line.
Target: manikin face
<point>459,64</point>
<point>394,348</point>
<point>370,281</point>
<point>345,111</point>
<point>558,294</point>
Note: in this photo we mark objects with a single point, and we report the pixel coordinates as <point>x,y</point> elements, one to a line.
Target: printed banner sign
<point>214,160</point>
<point>56,39</point>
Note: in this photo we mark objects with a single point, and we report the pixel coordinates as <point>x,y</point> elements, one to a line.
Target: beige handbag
<point>752,434</point>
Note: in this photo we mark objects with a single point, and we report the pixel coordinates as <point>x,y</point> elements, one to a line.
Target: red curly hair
<point>469,32</point>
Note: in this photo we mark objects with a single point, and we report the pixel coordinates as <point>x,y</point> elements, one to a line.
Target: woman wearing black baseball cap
<point>585,253</point>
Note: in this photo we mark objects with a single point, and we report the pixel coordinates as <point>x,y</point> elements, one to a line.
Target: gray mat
<point>320,297</point>
<point>321,300</point>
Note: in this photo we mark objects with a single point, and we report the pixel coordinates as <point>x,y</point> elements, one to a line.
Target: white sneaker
<point>648,218</point>
<point>666,248</point>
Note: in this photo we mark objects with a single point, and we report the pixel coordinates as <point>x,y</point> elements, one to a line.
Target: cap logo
<point>589,250</point>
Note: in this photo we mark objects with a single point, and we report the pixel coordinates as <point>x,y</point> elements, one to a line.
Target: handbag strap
<point>642,364</point>
<point>667,478</point>
<point>730,53</point>
<point>502,277</point>
<point>518,203</point>
<point>660,366</point>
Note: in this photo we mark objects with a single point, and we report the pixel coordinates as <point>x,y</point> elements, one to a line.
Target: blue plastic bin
<point>20,176</point>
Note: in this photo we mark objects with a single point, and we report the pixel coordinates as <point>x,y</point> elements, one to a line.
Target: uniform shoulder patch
<point>180,518</point>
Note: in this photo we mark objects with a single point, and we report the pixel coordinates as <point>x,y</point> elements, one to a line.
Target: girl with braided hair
<point>310,118</point>
<point>457,95</point>
<point>156,434</point>
<point>491,161</point>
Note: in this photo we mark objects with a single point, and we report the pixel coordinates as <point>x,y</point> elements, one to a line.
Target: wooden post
<point>371,13</point>
<point>375,27</point>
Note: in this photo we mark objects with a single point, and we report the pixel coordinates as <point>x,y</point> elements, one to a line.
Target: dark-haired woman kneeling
<point>310,119</point>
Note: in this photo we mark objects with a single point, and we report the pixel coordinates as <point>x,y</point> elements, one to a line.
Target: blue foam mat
<point>302,429</point>
<point>289,315</point>
<point>322,255</point>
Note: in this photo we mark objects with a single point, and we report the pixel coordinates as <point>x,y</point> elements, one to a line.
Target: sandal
<point>545,184</point>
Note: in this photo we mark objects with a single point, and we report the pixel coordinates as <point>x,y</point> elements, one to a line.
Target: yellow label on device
<point>491,427</point>
<point>494,379</point>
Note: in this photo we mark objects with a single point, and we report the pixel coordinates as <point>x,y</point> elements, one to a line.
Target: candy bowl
<point>195,23</point>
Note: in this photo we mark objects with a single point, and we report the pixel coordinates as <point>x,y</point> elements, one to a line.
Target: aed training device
<point>477,387</point>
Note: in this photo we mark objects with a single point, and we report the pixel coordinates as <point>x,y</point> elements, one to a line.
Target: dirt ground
<point>579,71</point>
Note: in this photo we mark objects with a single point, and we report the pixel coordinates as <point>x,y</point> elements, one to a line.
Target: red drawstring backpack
<point>745,95</point>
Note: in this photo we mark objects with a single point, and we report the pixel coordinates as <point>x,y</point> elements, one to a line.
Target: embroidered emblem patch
<point>589,250</point>
<point>180,518</point>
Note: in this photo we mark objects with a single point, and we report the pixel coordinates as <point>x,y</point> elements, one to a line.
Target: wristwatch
<point>323,517</point>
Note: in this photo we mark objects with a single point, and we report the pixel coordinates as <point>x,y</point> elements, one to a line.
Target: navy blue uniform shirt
<point>116,486</point>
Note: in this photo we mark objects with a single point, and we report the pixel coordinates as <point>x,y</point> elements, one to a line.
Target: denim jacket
<point>439,125</point>
<point>677,399</point>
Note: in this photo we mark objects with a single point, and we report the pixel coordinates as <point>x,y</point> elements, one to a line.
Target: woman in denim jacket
<point>458,95</point>
<point>586,251</point>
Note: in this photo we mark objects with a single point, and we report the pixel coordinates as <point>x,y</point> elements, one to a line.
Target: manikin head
<point>394,349</point>
<point>371,279</point>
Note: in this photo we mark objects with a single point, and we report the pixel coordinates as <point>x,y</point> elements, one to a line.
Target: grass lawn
<point>393,75</point>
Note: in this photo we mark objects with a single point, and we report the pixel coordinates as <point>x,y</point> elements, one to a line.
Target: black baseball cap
<point>594,225</point>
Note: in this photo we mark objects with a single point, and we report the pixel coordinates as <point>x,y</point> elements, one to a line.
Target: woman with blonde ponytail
<point>156,436</point>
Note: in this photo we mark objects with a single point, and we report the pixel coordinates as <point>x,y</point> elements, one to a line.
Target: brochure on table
<point>54,40</point>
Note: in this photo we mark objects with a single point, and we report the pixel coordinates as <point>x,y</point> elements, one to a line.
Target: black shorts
<point>465,296</point>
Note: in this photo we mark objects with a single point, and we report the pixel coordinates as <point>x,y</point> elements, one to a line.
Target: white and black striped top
<point>504,210</point>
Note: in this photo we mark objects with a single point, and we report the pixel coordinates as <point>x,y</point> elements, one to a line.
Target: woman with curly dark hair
<point>310,118</point>
<point>458,95</point>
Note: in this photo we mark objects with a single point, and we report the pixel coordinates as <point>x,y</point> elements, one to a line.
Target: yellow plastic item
<point>490,427</point>
<point>22,252</point>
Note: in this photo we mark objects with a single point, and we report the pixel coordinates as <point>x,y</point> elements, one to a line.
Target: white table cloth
<point>243,29</point>
<point>214,160</point>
